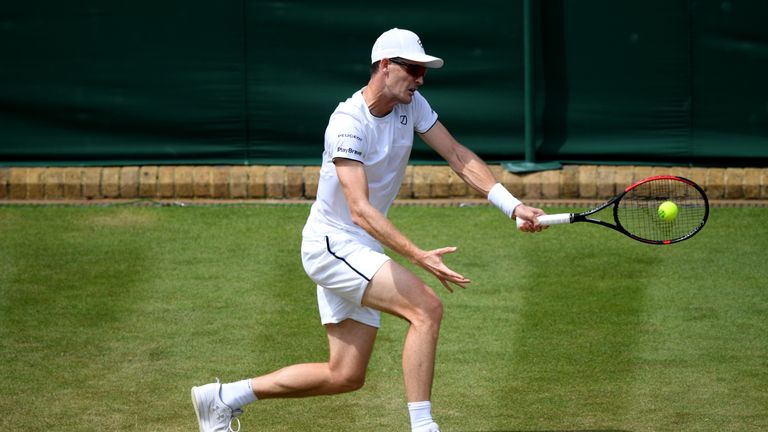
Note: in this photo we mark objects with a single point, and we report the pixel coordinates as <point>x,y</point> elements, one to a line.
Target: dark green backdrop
<point>253,82</point>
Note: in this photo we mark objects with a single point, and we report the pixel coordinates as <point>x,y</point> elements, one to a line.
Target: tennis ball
<point>667,211</point>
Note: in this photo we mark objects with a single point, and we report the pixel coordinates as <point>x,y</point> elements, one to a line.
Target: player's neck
<point>378,103</point>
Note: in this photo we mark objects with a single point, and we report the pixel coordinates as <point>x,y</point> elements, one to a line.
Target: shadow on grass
<point>565,430</point>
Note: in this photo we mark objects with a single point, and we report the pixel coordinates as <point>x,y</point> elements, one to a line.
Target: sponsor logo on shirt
<point>403,119</point>
<point>346,135</point>
<point>348,151</point>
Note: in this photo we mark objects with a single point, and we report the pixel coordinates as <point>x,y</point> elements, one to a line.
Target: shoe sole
<point>197,413</point>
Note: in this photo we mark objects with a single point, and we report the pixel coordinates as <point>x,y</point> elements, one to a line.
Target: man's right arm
<point>354,183</point>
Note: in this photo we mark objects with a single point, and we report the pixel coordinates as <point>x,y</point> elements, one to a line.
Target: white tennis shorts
<point>342,266</point>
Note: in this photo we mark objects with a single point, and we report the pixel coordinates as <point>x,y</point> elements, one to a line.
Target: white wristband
<point>501,198</point>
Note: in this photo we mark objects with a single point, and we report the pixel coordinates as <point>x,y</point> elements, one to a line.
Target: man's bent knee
<point>435,310</point>
<point>429,313</point>
<point>344,383</point>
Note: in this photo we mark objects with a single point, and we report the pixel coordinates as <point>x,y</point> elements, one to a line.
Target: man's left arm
<point>475,172</point>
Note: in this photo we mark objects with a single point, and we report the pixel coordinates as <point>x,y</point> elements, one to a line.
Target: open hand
<point>432,261</point>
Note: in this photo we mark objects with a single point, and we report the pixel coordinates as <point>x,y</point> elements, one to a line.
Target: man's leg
<point>350,343</point>
<point>398,291</point>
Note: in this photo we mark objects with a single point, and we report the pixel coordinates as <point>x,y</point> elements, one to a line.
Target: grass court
<point>108,315</point>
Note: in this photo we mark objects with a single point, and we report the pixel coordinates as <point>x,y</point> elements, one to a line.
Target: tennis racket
<point>636,211</point>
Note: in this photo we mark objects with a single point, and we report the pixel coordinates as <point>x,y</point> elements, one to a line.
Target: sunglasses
<point>414,70</point>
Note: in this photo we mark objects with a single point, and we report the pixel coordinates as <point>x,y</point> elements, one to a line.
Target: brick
<point>73,188</point>
<point>698,176</point>
<point>183,182</point>
<point>294,182</point>
<point>532,185</point>
<point>201,182</point>
<point>148,176</point>
<point>18,183</point>
<point>496,170</point>
<point>641,172</point>
<point>715,184</point>
<point>456,186</point>
<point>623,177</point>
<point>550,184</point>
<point>275,181</point>
<point>440,181</point>
<point>257,181</point>
<point>165,182</point>
<point>406,188</point>
<point>91,182</point>
<point>421,187</point>
<point>606,181</point>
<point>683,172</point>
<point>752,183</point>
<point>110,182</point>
<point>54,183</point>
<point>238,182</point>
<point>734,183</point>
<point>220,181</point>
<point>5,176</point>
<point>311,175</point>
<point>129,182</point>
<point>31,188</point>
<point>514,183</point>
<point>36,183</point>
<point>569,181</point>
<point>587,181</point>
<point>660,170</point>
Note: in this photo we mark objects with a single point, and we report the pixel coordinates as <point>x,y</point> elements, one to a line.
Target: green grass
<point>108,315</point>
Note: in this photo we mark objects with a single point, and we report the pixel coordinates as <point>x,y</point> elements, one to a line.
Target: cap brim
<point>427,60</point>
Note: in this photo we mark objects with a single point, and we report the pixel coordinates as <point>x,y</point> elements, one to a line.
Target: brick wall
<point>296,182</point>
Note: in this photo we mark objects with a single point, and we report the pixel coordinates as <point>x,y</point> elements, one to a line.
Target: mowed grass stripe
<point>109,315</point>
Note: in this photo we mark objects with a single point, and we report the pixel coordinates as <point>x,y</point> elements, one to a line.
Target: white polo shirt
<point>382,144</point>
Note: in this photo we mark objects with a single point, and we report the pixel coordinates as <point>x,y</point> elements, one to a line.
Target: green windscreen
<point>254,82</point>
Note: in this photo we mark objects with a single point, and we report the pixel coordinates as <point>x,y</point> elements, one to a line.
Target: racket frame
<point>563,218</point>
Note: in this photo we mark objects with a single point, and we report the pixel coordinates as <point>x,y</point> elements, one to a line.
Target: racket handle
<point>551,219</point>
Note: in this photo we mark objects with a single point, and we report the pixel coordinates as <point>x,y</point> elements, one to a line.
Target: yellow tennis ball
<point>667,211</point>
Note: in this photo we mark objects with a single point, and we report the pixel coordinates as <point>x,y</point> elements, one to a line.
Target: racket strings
<point>637,211</point>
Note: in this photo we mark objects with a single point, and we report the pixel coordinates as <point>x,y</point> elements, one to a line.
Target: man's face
<point>404,79</point>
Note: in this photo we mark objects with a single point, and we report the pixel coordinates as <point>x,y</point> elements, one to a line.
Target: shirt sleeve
<point>344,138</point>
<point>426,117</point>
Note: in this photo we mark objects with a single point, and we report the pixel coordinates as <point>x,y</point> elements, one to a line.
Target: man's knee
<point>430,312</point>
<point>346,381</point>
<point>435,310</point>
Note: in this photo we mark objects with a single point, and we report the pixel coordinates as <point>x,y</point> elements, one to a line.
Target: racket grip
<point>551,219</point>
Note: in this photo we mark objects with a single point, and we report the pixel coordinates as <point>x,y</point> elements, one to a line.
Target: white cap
<point>404,44</point>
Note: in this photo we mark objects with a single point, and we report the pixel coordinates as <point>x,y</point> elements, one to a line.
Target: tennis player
<point>367,145</point>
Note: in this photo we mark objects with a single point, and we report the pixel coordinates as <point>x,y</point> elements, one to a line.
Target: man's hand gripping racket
<point>656,210</point>
<point>529,218</point>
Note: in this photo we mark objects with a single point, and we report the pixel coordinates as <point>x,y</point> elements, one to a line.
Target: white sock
<point>421,414</point>
<point>237,394</point>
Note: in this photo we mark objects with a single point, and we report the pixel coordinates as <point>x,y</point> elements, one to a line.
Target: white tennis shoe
<point>432,427</point>
<point>212,414</point>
